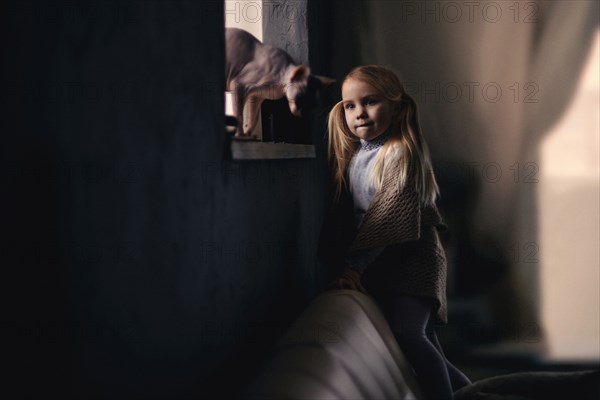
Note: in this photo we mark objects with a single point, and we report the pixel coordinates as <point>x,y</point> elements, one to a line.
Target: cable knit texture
<point>414,261</point>
<point>394,216</point>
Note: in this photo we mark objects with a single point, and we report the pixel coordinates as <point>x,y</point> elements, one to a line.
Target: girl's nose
<point>361,113</point>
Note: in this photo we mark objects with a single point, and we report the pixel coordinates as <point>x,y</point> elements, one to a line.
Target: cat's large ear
<point>325,81</point>
<point>300,73</point>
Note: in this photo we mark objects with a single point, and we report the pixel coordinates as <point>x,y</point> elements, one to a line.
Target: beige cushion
<point>340,347</point>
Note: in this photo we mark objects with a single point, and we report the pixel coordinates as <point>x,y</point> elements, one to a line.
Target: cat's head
<point>302,88</point>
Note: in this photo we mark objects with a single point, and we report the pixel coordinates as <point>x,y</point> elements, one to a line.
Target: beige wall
<point>569,224</point>
<point>245,15</point>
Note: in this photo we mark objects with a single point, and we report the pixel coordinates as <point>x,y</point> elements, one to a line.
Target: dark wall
<point>137,262</point>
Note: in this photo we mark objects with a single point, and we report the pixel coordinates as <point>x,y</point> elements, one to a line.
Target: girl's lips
<point>364,125</point>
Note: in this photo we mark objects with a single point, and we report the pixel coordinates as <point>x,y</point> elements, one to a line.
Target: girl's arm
<point>359,260</point>
<point>356,263</point>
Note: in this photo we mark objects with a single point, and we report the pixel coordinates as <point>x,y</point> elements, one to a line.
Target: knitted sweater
<point>395,218</point>
<point>395,215</point>
<point>362,189</point>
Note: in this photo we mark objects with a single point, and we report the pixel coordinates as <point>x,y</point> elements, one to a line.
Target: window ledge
<point>248,150</point>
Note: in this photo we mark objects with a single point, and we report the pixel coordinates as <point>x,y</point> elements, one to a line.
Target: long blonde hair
<point>405,145</point>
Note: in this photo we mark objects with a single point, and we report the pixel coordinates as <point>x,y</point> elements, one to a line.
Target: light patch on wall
<point>570,223</point>
<point>245,15</point>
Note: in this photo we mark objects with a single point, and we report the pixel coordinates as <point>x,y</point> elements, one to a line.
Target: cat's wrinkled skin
<point>255,72</point>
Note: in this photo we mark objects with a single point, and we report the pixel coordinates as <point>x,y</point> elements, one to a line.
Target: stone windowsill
<point>253,150</point>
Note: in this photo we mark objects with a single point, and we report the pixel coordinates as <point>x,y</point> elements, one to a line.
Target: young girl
<point>384,184</point>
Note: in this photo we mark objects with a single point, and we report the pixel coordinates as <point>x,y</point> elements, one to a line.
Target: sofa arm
<point>340,347</point>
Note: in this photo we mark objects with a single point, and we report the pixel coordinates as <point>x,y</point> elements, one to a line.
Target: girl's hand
<point>349,279</point>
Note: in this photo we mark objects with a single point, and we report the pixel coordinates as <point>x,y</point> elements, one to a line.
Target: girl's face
<point>368,114</point>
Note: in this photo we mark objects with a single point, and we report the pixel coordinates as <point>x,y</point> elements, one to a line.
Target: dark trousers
<point>412,321</point>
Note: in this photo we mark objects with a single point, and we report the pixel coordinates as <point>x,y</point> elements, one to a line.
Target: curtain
<point>490,78</point>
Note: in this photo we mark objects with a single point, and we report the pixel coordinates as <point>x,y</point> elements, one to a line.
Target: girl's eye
<point>348,106</point>
<point>371,101</point>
